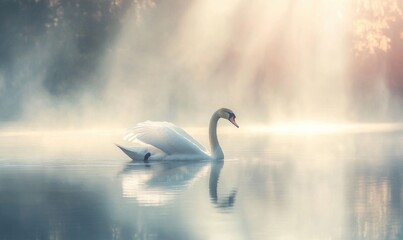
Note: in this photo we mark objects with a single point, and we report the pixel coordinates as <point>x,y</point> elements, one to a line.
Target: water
<point>299,185</point>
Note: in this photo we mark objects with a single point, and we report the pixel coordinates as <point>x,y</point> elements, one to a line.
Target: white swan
<point>165,141</point>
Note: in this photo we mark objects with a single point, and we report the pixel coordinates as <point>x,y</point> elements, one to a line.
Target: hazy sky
<point>80,63</point>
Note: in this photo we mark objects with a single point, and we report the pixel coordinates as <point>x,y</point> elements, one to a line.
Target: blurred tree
<point>56,43</point>
<point>372,25</point>
<point>377,61</point>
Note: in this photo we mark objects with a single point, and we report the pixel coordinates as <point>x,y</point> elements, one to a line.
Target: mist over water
<point>98,64</point>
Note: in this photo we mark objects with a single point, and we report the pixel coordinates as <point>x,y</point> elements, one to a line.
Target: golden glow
<point>59,132</point>
<point>280,128</point>
<point>315,128</point>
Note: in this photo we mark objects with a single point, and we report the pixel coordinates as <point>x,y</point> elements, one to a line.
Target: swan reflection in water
<point>158,183</point>
<point>227,201</point>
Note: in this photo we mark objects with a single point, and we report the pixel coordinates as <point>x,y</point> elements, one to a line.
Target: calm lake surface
<point>329,185</point>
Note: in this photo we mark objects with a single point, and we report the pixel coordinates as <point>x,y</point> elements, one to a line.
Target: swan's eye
<point>231,115</point>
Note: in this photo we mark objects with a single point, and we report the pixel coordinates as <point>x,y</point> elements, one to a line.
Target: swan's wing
<point>165,136</point>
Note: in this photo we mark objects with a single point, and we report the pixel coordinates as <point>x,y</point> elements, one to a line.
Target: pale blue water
<point>271,186</point>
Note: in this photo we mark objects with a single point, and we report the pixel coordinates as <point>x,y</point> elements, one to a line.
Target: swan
<point>166,141</point>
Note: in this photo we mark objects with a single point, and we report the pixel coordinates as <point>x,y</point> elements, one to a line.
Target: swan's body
<point>165,141</point>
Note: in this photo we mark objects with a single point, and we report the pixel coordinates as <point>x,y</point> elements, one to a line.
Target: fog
<point>68,64</point>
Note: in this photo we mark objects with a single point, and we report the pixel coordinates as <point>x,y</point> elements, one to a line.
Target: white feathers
<point>163,139</point>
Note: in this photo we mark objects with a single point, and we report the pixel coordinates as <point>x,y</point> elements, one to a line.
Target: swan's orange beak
<point>232,120</point>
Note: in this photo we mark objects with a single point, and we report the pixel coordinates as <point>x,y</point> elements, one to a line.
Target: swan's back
<point>165,136</point>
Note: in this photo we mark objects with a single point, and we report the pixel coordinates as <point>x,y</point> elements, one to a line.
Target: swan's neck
<point>216,152</point>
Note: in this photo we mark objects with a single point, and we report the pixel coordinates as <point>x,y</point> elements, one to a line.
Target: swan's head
<point>228,114</point>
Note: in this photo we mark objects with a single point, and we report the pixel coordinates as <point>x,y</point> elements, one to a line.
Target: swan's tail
<point>135,153</point>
